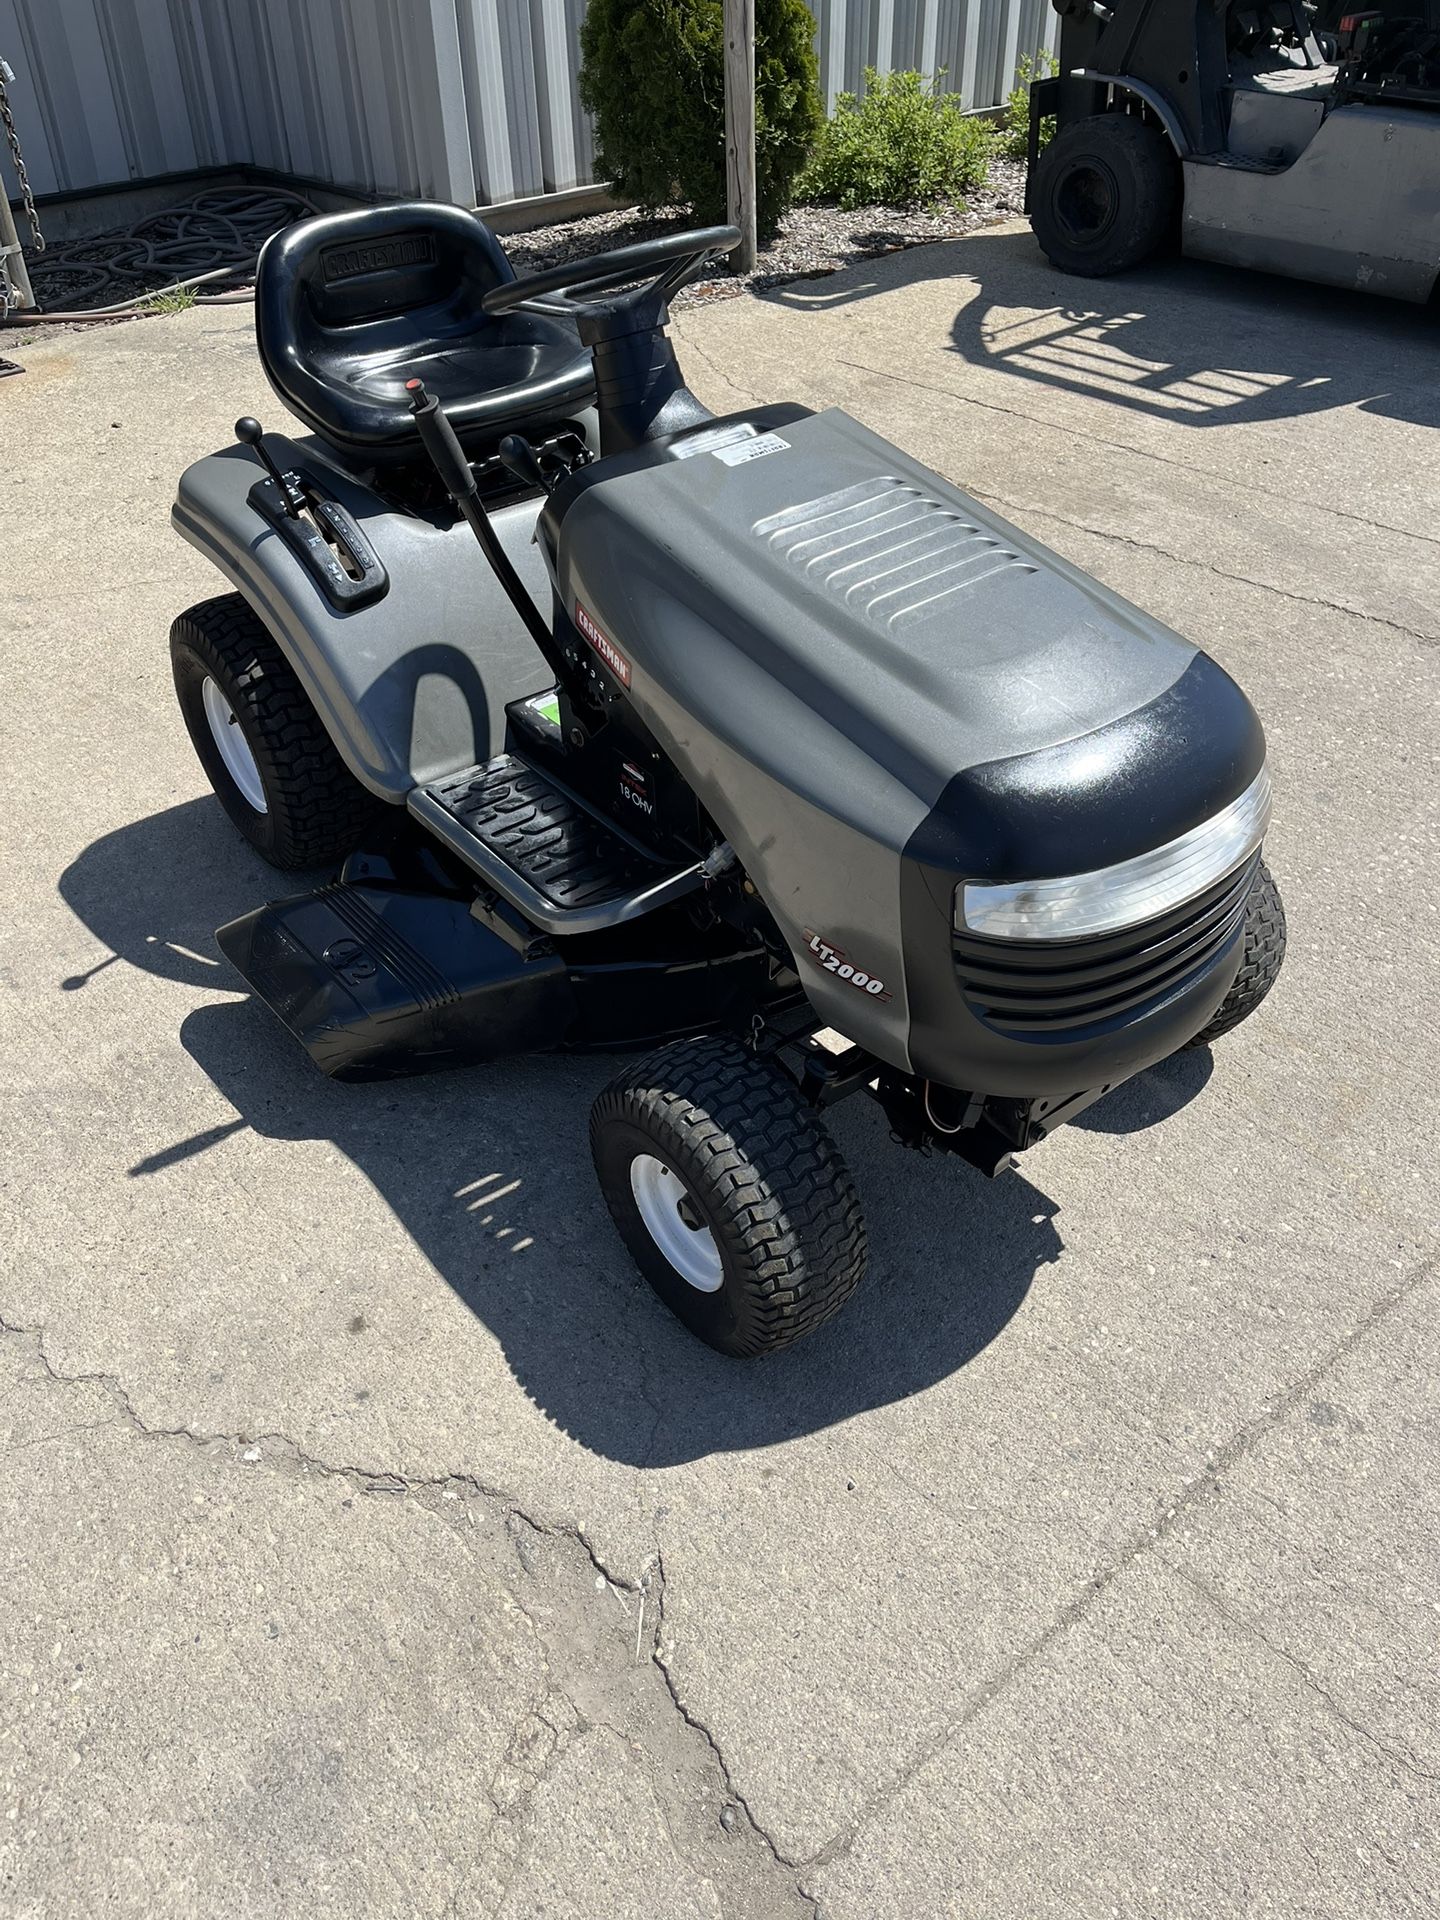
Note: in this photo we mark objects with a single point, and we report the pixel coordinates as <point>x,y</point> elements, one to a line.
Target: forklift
<point>1264,136</point>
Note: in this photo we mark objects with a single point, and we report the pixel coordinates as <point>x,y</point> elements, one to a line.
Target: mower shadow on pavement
<point>488,1170</point>
<point>1178,340</point>
<point>1151,1097</point>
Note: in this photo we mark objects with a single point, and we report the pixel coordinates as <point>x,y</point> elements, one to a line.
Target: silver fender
<point>415,685</point>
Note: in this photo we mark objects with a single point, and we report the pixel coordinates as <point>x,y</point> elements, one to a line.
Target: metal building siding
<point>977,43</point>
<point>471,100</point>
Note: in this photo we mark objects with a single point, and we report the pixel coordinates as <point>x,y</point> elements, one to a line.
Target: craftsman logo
<point>606,649</point>
<point>404,250</point>
<point>833,960</point>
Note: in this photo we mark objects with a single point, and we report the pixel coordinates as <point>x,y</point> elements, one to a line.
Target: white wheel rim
<point>664,1201</point>
<point>234,747</point>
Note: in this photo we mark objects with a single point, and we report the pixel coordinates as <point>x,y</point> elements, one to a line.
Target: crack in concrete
<point>1168,1515</point>
<point>519,1761</point>
<point>519,1523</point>
<point>692,345</point>
<point>1169,1512</point>
<point>659,1656</point>
<point>364,1479</point>
<point>1396,1756</point>
<point>1021,508</point>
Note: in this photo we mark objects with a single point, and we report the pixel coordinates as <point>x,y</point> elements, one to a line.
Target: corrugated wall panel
<point>566,148</point>
<point>974,44</point>
<point>463,99</point>
<point>64,105</point>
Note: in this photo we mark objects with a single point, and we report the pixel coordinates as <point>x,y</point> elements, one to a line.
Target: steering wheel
<point>683,254</point>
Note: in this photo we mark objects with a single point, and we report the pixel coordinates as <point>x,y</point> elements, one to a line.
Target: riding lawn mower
<point>744,746</point>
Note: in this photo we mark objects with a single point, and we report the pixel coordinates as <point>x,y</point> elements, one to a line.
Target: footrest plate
<point>569,854</point>
<point>544,850</point>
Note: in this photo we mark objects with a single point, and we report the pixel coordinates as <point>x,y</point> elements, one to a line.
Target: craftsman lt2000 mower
<point>627,725</point>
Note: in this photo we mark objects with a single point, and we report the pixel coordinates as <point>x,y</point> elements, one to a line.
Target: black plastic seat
<point>349,306</point>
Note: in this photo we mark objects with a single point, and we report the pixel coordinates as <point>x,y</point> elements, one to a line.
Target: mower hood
<point>862,671</point>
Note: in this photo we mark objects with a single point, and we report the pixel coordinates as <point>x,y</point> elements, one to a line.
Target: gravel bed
<point>811,241</point>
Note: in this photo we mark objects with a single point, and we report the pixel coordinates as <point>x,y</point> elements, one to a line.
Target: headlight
<point>1123,895</point>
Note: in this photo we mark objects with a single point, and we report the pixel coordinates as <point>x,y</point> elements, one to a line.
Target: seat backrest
<point>343,288</point>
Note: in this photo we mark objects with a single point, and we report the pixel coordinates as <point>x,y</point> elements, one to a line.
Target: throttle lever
<point>517,456</point>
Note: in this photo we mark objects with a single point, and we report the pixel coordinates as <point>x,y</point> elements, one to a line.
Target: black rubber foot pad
<point>571,855</point>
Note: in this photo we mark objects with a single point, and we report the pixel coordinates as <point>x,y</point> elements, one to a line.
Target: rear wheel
<point>1260,961</point>
<point>730,1195</point>
<point>272,764</point>
<point>1105,194</point>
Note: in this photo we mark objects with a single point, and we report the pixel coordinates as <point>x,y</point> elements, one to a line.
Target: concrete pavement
<point>372,1543</point>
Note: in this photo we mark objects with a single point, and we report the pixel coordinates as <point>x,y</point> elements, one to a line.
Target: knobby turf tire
<point>1262,953</point>
<point>1131,163</point>
<point>316,810</point>
<point>763,1174</point>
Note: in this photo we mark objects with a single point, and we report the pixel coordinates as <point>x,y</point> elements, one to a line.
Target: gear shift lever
<point>248,432</point>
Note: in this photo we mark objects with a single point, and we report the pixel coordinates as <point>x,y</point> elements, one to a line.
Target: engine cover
<point>878,688</point>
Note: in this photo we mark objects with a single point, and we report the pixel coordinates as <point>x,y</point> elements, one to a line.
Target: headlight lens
<point>1123,895</point>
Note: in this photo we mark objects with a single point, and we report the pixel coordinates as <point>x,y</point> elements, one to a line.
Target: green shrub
<point>1015,134</point>
<point>653,76</point>
<point>903,143</point>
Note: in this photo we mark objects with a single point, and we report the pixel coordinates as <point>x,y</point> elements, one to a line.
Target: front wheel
<point>274,768</point>
<point>1262,953</point>
<point>730,1195</point>
<point>1104,194</point>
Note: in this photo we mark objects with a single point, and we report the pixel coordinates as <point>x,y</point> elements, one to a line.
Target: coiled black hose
<point>210,241</point>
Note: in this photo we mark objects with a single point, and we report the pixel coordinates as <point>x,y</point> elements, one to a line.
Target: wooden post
<point>740,126</point>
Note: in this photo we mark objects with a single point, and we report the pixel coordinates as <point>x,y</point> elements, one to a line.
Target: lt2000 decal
<point>833,960</point>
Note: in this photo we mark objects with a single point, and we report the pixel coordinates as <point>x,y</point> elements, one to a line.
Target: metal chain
<point>7,79</point>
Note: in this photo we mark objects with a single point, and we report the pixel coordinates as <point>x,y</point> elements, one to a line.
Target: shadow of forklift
<point>1269,145</point>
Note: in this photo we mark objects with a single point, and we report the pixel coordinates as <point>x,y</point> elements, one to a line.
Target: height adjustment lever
<point>437,436</point>
<point>447,456</point>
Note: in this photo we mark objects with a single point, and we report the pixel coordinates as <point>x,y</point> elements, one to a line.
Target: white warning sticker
<point>755,449</point>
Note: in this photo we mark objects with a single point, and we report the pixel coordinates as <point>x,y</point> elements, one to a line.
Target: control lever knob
<point>249,432</point>
<point>517,456</point>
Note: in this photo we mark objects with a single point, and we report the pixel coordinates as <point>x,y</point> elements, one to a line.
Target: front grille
<point>1072,989</point>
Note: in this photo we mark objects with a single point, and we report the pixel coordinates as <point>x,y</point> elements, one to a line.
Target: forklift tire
<point>278,776</point>
<point>1260,961</point>
<point>1105,194</point>
<point>729,1193</point>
